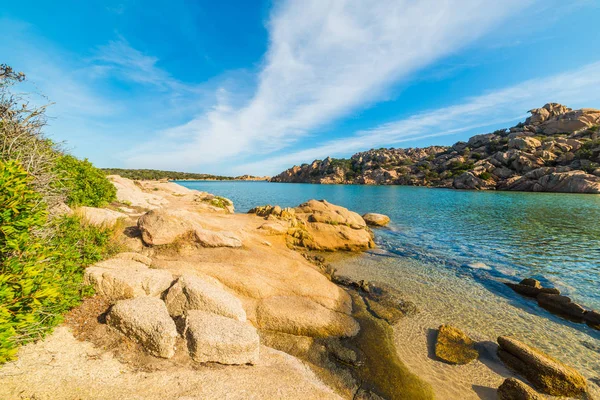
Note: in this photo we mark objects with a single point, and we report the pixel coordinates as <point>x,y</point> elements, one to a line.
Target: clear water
<point>436,233</point>
<point>550,236</point>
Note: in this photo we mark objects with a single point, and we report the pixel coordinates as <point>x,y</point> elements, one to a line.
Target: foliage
<point>220,202</point>
<point>485,175</point>
<point>22,139</point>
<point>85,184</point>
<point>457,168</point>
<point>153,174</point>
<point>41,277</point>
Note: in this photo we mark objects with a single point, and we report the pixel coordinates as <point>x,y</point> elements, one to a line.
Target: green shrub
<point>485,175</point>
<point>40,275</point>
<point>85,184</point>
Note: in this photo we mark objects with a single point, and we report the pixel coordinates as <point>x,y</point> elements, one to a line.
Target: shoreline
<point>311,362</point>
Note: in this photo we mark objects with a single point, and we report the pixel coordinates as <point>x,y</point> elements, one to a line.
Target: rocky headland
<point>205,303</point>
<point>556,149</point>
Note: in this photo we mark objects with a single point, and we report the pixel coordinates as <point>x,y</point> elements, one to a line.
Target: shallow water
<point>435,233</point>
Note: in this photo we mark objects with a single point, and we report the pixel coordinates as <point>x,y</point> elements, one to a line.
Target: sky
<point>255,87</point>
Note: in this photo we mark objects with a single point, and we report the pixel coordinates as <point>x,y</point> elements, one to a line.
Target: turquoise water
<point>425,252</point>
<point>550,236</point>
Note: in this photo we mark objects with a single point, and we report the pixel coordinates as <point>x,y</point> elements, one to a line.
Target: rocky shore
<point>205,303</point>
<point>556,149</point>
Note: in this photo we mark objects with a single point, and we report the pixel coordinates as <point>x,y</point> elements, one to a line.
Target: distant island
<point>555,150</point>
<point>154,174</point>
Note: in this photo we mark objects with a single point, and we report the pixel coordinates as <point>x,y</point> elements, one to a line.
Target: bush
<point>85,184</point>
<point>40,276</point>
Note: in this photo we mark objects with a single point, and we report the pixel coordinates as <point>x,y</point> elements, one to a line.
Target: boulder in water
<point>514,389</point>
<point>454,346</point>
<point>546,374</point>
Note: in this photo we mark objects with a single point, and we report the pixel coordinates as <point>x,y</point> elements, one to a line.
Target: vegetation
<point>42,256</point>
<point>85,184</point>
<point>154,174</point>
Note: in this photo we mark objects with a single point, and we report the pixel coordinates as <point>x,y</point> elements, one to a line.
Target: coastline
<point>305,365</point>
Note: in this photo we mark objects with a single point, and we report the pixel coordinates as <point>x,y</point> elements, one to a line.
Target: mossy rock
<point>454,347</point>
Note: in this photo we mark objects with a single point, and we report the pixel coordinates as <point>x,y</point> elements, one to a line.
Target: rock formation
<point>556,150</point>
<point>514,389</point>
<point>454,346</point>
<point>317,225</point>
<point>375,219</point>
<point>545,373</point>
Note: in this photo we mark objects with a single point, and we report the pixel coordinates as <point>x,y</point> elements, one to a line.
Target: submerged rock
<point>562,305</point>
<point>375,219</point>
<point>592,318</point>
<point>514,389</point>
<point>454,346</point>
<point>304,317</point>
<point>203,293</point>
<point>548,375</point>
<point>531,288</point>
<point>146,321</point>
<point>214,338</point>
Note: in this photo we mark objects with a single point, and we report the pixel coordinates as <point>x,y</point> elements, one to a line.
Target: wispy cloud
<point>578,88</point>
<point>325,59</point>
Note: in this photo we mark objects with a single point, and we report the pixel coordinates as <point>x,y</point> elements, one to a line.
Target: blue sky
<point>236,87</point>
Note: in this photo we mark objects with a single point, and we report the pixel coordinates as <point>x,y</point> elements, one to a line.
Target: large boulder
<point>325,226</point>
<point>164,226</point>
<point>375,219</point>
<point>214,338</point>
<point>524,143</point>
<point>203,293</point>
<point>571,121</point>
<point>514,389</point>
<point>546,374</point>
<point>99,216</point>
<point>119,278</point>
<point>467,180</point>
<point>146,321</point>
<point>301,316</point>
<point>454,346</point>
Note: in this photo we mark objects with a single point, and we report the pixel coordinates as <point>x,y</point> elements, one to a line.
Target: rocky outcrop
<point>325,226</point>
<point>215,338</point>
<point>545,373</point>
<point>562,305</point>
<point>301,316</point>
<point>514,389</point>
<point>203,293</point>
<point>147,321</point>
<point>121,278</point>
<point>556,150</point>
<point>128,192</point>
<point>317,225</point>
<point>454,347</point>
<point>375,219</point>
<point>530,287</point>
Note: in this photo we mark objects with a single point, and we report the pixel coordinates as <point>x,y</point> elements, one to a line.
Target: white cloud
<point>577,88</point>
<point>325,59</point>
